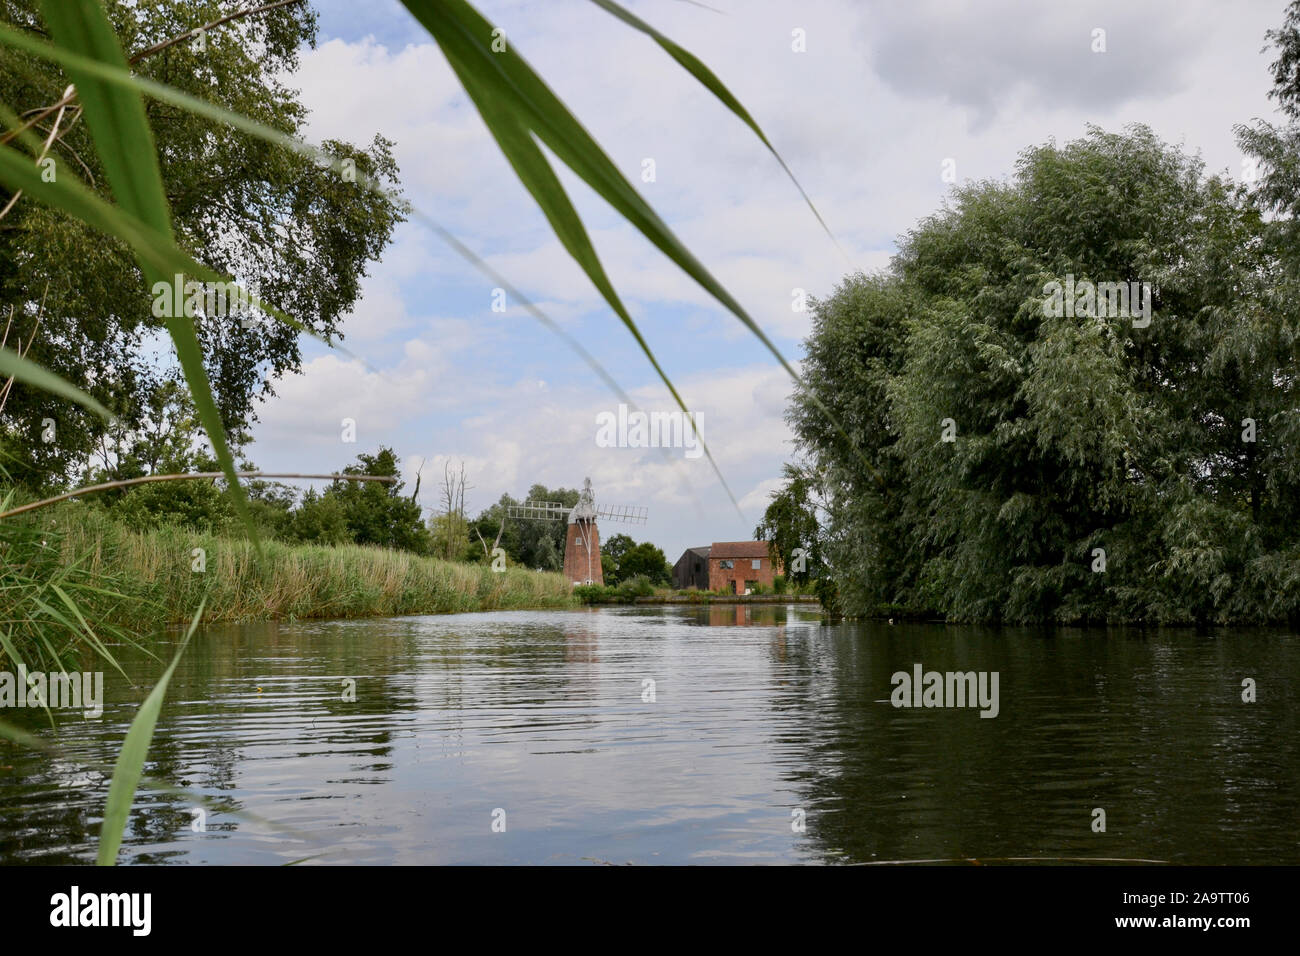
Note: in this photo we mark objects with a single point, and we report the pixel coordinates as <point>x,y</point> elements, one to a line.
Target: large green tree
<point>1002,459</point>
<point>297,233</point>
<point>612,551</point>
<point>645,560</point>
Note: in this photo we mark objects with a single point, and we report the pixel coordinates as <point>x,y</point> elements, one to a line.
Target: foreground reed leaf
<point>479,51</point>
<point>29,373</point>
<point>130,760</point>
<point>109,220</point>
<point>116,119</point>
<point>539,179</point>
<point>22,737</point>
<point>710,81</point>
<point>476,40</point>
<point>467,39</point>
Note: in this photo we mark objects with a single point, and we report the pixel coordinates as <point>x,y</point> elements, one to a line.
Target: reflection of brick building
<point>735,566</point>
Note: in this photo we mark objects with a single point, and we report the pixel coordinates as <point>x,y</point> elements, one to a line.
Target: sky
<point>882,98</point>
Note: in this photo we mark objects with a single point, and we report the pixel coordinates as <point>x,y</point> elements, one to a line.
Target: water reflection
<point>678,734</point>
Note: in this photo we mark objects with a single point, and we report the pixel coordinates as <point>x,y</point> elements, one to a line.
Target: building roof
<point>698,552</point>
<point>738,549</point>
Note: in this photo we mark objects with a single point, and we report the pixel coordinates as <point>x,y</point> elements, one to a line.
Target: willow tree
<point>1128,457</point>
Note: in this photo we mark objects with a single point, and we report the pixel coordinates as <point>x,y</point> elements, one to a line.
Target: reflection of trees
<point>41,819</point>
<point>1150,730</point>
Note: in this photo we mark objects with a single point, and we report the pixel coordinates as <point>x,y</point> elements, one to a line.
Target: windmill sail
<point>628,514</point>
<point>542,510</point>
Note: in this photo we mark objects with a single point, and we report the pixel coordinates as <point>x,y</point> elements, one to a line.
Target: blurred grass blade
<point>114,115</point>
<point>22,737</point>
<point>29,373</point>
<point>108,220</point>
<point>466,39</point>
<point>130,760</point>
<point>124,143</point>
<point>539,179</point>
<point>710,81</point>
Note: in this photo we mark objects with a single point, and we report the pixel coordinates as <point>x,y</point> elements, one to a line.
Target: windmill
<point>582,543</point>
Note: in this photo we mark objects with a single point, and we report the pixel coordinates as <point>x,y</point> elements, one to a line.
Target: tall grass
<point>48,596</point>
<point>142,580</point>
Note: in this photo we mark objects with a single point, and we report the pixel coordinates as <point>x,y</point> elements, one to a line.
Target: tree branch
<point>188,34</point>
<point>200,474</point>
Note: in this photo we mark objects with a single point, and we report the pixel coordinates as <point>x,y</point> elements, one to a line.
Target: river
<point>677,735</point>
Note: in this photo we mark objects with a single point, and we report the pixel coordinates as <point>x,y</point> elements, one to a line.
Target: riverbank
<point>74,563</point>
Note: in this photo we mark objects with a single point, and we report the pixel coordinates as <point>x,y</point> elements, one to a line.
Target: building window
<point>726,565</point>
<point>756,563</point>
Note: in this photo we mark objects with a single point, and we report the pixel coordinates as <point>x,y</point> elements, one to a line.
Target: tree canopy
<point>623,558</point>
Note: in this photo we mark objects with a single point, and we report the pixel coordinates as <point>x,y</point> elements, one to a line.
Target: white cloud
<point>760,496</point>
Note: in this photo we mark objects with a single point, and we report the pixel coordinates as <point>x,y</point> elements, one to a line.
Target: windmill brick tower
<point>582,540</point>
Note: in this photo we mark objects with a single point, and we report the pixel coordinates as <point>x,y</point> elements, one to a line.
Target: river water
<point>723,734</point>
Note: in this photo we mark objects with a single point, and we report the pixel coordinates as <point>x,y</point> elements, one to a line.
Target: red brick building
<point>740,566</point>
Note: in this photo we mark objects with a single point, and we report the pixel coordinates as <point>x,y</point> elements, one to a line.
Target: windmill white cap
<point>585,509</point>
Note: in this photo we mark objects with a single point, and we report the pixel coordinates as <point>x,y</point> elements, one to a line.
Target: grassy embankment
<point>72,565</point>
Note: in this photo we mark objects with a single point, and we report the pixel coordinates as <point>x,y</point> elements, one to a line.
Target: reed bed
<point>143,580</point>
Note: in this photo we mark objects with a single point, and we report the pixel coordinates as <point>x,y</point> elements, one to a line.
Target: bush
<point>198,505</point>
<point>625,593</point>
<point>636,586</point>
<point>779,584</point>
<point>594,593</point>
